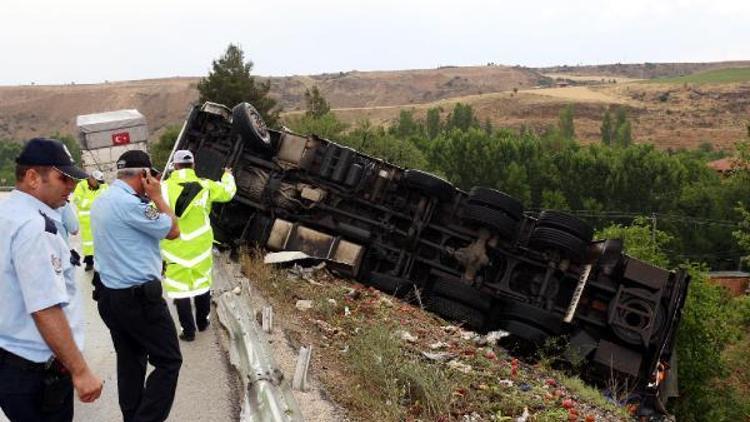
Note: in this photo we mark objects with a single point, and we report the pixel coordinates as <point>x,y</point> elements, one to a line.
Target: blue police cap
<point>50,152</point>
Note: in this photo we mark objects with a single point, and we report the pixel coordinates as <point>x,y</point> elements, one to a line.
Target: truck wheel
<point>493,219</point>
<point>455,311</point>
<point>566,223</point>
<point>430,184</point>
<point>462,292</point>
<point>634,317</point>
<point>389,284</point>
<point>496,199</point>
<point>248,123</point>
<point>566,244</point>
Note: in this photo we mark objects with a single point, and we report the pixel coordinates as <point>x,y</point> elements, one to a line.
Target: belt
<point>136,291</point>
<point>21,363</point>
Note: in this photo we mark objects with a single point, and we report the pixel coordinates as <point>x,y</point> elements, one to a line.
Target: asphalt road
<point>207,388</point>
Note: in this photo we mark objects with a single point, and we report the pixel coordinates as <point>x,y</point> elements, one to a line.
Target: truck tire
<point>568,245</point>
<point>389,284</point>
<point>249,124</point>
<point>566,223</point>
<point>430,184</point>
<point>493,219</point>
<point>462,292</point>
<point>496,199</point>
<point>455,311</point>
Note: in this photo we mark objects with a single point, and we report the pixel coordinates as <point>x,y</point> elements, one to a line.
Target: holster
<point>75,258</point>
<point>58,386</point>
<point>96,281</point>
<point>152,291</point>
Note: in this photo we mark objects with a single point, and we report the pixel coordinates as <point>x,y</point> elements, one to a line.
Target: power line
<point>674,217</point>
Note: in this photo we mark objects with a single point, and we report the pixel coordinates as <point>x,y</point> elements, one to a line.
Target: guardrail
<point>6,188</point>
<point>267,396</point>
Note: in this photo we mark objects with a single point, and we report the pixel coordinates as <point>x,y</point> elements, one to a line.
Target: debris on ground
<point>304,305</point>
<point>384,359</point>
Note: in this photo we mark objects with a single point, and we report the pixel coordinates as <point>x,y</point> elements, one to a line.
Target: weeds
<point>371,371</point>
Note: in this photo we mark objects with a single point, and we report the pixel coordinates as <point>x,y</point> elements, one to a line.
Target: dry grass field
<point>671,112</point>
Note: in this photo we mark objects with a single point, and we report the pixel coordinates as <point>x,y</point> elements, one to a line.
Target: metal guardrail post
<point>303,365</point>
<point>267,319</point>
<point>267,395</point>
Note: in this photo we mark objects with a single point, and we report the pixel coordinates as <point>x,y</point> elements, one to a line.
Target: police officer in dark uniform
<point>41,321</point>
<point>127,229</point>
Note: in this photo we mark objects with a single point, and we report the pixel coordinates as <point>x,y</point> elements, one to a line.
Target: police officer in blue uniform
<point>127,229</point>
<point>41,321</point>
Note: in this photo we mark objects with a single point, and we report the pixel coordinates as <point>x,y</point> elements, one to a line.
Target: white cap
<point>97,175</point>
<point>183,156</point>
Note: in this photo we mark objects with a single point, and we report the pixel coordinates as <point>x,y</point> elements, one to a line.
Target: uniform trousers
<point>142,331</point>
<point>185,312</point>
<point>22,389</point>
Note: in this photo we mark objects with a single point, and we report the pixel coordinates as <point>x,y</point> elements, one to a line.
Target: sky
<point>90,41</point>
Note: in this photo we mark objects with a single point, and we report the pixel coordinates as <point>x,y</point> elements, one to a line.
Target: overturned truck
<point>474,257</point>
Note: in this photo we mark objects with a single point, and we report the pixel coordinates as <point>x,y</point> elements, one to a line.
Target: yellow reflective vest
<point>83,198</point>
<point>188,258</point>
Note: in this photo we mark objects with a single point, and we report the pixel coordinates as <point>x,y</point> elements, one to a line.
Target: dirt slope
<point>27,111</point>
<point>667,115</point>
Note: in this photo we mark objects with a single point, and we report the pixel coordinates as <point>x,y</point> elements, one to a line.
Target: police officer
<point>69,220</point>
<point>84,195</point>
<point>41,321</point>
<point>127,230</point>
<point>189,259</point>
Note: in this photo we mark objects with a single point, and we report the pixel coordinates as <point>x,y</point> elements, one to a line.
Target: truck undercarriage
<point>475,257</point>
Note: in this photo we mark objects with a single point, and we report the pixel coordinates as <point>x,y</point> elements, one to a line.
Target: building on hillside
<point>736,282</point>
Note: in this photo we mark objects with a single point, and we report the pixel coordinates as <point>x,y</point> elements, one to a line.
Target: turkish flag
<point>121,138</point>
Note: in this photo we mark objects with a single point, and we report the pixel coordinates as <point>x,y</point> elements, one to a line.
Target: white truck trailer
<point>105,136</point>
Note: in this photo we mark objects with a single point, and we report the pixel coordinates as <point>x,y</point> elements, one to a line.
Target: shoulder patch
<point>151,213</point>
<point>49,224</point>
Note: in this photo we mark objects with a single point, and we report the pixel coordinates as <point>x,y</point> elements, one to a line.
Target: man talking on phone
<point>128,221</point>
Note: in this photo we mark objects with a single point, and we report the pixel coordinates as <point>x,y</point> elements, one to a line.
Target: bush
<point>708,326</point>
<point>161,149</point>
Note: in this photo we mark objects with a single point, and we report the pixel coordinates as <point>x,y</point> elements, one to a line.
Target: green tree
<point>462,117</point>
<point>71,143</point>
<point>607,130</point>
<point>406,126</point>
<point>623,136</point>
<point>378,143</point>
<point>326,125</point>
<point>641,240</point>
<point>432,122</point>
<point>161,149</point>
<point>230,83</point>
<point>565,125</point>
<point>488,126</point>
<point>9,150</point>
<point>707,327</point>
<point>316,105</point>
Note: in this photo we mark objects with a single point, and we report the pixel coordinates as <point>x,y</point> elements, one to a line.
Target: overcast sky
<point>85,41</point>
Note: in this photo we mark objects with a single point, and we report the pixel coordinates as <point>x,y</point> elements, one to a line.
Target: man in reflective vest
<point>84,195</point>
<point>188,258</point>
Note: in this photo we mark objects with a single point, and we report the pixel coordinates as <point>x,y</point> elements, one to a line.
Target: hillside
<point>670,113</point>
<point>643,70</point>
<point>27,111</point>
